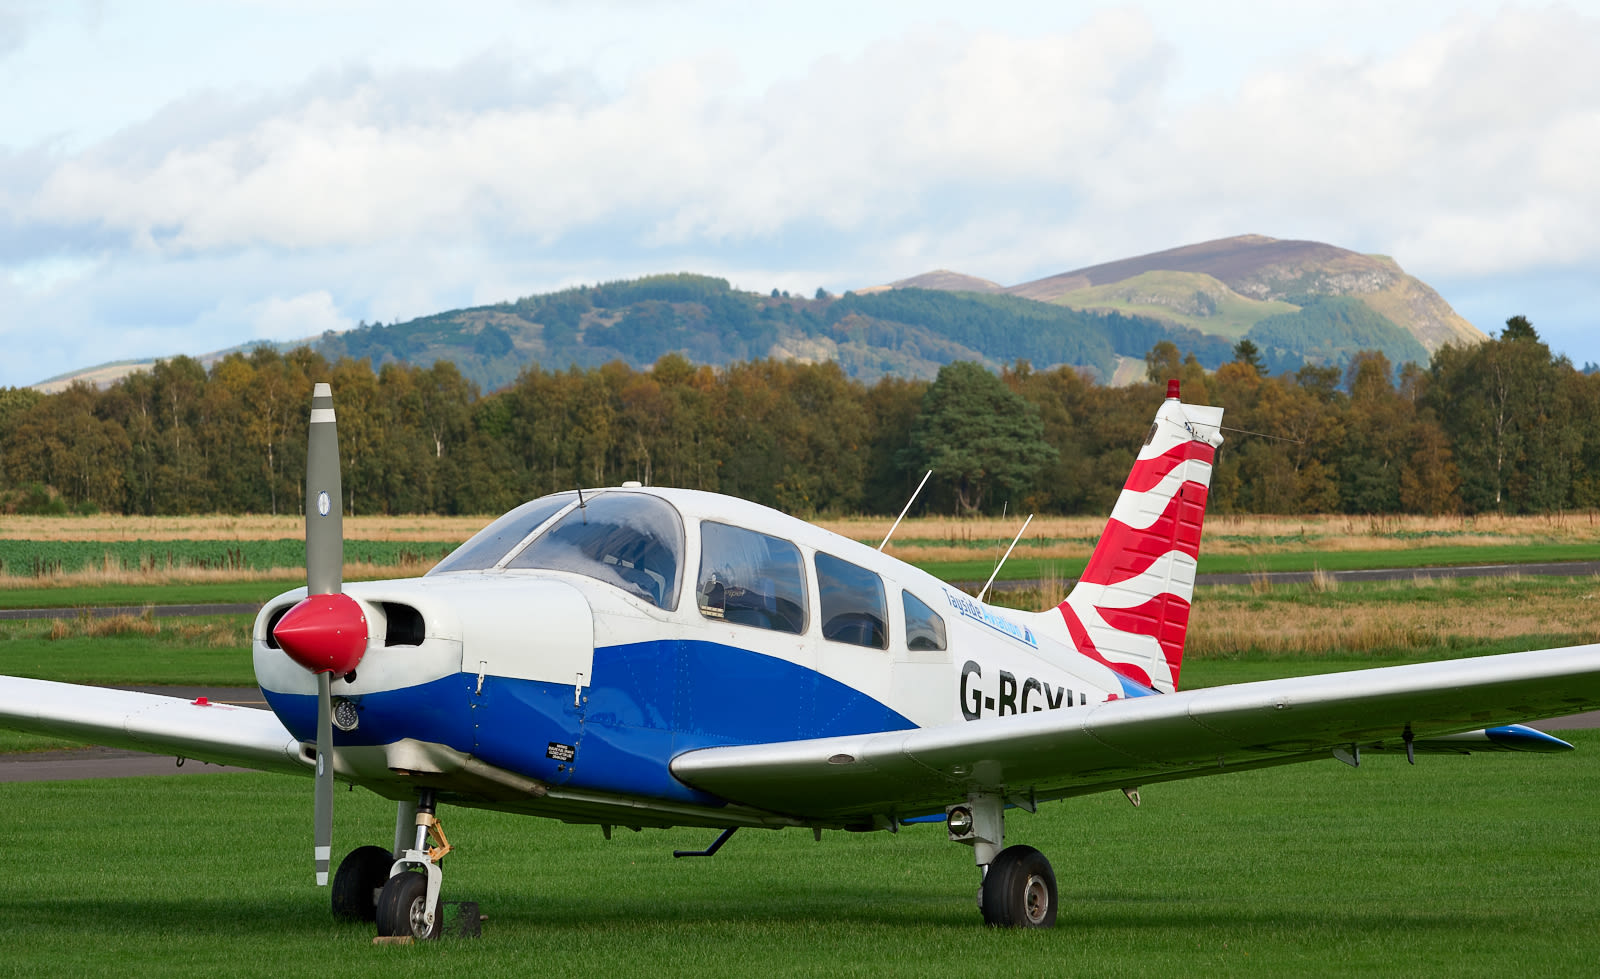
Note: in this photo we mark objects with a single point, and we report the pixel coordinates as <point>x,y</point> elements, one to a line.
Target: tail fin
<point>1130,609</point>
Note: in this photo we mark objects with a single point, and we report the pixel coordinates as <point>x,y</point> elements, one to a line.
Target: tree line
<point>1502,426</point>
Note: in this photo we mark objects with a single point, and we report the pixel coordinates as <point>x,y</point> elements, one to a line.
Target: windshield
<point>629,540</point>
<point>485,549</point>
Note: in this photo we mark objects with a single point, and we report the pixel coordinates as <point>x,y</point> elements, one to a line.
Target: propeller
<point>327,632</point>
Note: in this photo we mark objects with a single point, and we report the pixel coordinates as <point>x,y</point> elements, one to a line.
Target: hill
<point>941,279</point>
<point>1298,301</point>
<point>1227,286</point>
<point>909,332</point>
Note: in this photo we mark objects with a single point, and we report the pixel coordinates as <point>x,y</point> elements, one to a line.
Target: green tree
<point>978,436</point>
<point>1518,328</point>
<point>1245,352</point>
<point>1507,406</point>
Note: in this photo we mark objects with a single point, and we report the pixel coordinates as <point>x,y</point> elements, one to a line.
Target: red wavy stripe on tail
<point>1124,552</point>
<point>1080,639</point>
<point>1165,618</point>
<point>1147,474</point>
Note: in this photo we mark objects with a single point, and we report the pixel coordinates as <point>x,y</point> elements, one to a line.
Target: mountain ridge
<point>1299,301</point>
<point>1265,269</point>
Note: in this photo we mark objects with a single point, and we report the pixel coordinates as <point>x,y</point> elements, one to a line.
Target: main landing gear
<point>398,890</point>
<point>1019,887</point>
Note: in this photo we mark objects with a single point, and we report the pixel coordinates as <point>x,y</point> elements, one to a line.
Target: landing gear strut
<point>1019,887</point>
<point>409,902</point>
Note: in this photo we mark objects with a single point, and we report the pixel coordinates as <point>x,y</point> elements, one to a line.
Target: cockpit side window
<point>924,627</point>
<point>853,606</point>
<point>630,540</point>
<point>751,579</point>
<point>485,548</point>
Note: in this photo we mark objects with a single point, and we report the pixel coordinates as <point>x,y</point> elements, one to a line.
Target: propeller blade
<point>324,515</point>
<point>323,806</point>
<point>326,633</point>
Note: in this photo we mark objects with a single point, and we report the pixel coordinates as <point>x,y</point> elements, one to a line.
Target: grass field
<point>1458,866</point>
<point>1480,866</point>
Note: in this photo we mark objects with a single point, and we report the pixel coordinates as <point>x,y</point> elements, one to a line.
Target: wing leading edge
<point>221,733</point>
<point>1053,754</point>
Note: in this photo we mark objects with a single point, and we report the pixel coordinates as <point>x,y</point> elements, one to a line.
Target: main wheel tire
<point>1019,891</point>
<point>356,884</point>
<point>401,904</point>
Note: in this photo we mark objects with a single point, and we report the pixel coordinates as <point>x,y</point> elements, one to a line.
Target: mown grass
<point>1474,866</point>
<point>1478,866</point>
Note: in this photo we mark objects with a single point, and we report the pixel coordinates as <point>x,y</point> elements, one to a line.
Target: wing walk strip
<point>1127,742</point>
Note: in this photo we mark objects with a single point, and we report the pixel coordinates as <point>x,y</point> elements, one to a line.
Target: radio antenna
<point>1002,563</point>
<point>906,510</point>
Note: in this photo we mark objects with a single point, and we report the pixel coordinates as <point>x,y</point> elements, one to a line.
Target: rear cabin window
<point>924,627</point>
<point>853,606</point>
<point>487,547</point>
<point>751,579</point>
<point>629,540</point>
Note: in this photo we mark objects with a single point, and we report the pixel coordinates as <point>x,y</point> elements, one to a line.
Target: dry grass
<point>203,633</point>
<point>952,552</point>
<point>1305,620</point>
<point>949,539</point>
<point>1227,620</point>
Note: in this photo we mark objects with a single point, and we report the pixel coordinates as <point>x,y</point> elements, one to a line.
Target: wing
<point>221,733</point>
<point>1127,743</point>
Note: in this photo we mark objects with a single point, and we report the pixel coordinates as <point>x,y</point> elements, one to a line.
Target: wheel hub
<point>1036,899</point>
<point>419,915</point>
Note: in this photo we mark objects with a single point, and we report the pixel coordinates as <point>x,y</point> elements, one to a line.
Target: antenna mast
<point>1002,563</point>
<point>907,510</point>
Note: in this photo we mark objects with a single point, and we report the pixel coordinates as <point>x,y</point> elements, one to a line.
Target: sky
<point>182,177</point>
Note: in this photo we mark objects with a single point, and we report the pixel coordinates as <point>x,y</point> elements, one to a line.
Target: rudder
<point>1130,610</point>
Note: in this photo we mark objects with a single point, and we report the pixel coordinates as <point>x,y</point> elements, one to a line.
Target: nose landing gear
<point>409,903</point>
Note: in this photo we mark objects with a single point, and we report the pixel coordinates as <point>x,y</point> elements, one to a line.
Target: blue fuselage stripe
<point>649,702</point>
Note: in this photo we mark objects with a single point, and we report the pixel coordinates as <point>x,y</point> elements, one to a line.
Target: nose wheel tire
<point>1019,890</point>
<point>402,906</point>
<point>361,875</point>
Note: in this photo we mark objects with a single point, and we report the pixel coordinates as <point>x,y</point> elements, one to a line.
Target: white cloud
<point>306,315</point>
<point>383,192</point>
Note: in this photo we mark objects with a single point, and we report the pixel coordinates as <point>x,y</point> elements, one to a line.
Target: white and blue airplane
<point>635,656</point>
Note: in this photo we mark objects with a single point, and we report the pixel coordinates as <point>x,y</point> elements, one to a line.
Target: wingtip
<point>1520,737</point>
